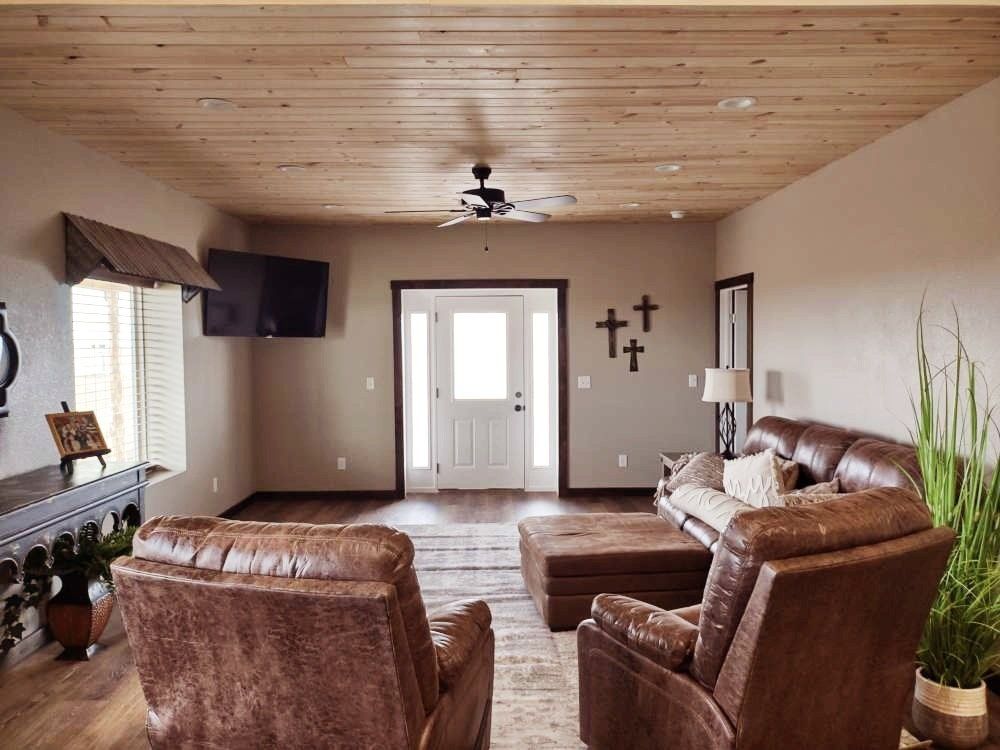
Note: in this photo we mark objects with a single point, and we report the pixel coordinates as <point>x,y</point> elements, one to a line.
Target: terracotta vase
<point>952,717</point>
<point>78,614</point>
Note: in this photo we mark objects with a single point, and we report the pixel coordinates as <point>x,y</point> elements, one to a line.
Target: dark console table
<point>41,507</point>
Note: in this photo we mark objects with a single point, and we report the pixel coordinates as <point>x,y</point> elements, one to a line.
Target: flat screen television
<point>266,296</point>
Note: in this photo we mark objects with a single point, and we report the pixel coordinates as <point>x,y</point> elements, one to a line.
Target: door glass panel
<point>419,391</point>
<point>540,388</point>
<point>479,349</point>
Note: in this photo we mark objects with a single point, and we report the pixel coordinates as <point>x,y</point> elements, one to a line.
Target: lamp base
<point>727,429</point>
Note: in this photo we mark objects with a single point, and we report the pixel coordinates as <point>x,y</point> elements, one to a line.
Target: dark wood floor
<point>46,703</point>
<point>489,506</point>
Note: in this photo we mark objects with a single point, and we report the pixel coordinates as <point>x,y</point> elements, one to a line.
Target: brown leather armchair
<point>805,637</point>
<point>257,635</point>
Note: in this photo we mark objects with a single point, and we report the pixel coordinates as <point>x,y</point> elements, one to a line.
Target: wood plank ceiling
<point>388,107</point>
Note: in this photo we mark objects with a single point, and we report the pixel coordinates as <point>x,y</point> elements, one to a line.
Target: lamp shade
<point>727,386</point>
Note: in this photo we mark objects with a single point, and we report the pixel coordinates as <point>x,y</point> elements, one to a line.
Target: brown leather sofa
<point>567,560</point>
<point>299,636</point>
<point>805,638</point>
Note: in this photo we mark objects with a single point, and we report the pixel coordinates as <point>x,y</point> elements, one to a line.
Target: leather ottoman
<point>568,560</point>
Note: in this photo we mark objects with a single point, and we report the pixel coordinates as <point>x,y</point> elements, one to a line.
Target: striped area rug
<point>535,683</point>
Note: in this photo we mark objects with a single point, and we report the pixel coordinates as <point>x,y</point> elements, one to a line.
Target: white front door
<point>480,389</point>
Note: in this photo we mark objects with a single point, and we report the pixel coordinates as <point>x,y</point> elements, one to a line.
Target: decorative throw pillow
<point>803,498</point>
<point>704,470</point>
<point>820,488</point>
<point>757,480</point>
<point>711,506</point>
<point>789,474</point>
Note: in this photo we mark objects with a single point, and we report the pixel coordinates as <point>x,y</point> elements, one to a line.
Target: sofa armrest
<point>655,633</point>
<point>456,629</point>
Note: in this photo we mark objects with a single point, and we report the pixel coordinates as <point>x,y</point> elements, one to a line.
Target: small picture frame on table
<point>77,435</point>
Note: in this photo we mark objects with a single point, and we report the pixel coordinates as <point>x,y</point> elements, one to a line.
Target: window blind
<point>129,369</point>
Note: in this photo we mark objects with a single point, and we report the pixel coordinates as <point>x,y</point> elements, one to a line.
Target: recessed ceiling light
<point>677,214</point>
<point>668,168</point>
<point>291,168</point>
<point>737,103</point>
<point>631,205</point>
<point>332,205</point>
<point>211,102</point>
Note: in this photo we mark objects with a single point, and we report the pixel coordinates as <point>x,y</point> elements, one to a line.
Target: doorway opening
<point>480,385</point>
<point>734,343</point>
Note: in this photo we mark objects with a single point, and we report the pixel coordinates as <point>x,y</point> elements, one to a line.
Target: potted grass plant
<point>956,437</point>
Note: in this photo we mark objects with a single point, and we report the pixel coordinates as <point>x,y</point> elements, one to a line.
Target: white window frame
<point>159,376</point>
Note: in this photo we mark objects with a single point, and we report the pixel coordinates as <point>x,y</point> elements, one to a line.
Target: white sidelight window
<point>420,408</point>
<point>540,387</point>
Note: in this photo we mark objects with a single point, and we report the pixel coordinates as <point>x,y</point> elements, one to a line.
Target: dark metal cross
<point>635,351</point>
<point>612,324</point>
<point>645,308</point>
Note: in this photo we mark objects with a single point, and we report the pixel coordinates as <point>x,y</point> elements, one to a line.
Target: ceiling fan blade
<point>474,200</point>
<point>456,220</point>
<point>429,211</point>
<point>523,216</point>
<point>550,202</point>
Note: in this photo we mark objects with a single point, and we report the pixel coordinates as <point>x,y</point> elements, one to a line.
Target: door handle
<point>518,407</point>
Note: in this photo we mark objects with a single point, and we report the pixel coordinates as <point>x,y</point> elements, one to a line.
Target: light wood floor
<point>97,705</point>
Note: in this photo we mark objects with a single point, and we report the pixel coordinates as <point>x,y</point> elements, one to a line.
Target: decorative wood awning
<point>97,250</point>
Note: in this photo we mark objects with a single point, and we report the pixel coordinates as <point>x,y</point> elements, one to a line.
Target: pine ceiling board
<point>388,106</point>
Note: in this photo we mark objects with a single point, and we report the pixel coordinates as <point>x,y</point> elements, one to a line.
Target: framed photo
<point>77,434</point>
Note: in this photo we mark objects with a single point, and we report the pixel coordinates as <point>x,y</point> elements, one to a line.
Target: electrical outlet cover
<point>583,382</point>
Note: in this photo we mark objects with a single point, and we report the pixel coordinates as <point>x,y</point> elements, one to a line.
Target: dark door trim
<point>560,285</point>
<point>746,280</point>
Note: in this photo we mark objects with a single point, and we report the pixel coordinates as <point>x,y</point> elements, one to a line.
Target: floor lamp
<point>726,388</point>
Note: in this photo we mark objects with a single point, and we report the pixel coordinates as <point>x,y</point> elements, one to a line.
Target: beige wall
<point>45,174</point>
<point>842,258</point>
<point>310,398</point>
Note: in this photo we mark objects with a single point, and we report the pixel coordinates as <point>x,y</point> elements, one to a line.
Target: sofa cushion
<point>595,544</point>
<point>777,433</point>
<point>819,450</point>
<point>878,463</point>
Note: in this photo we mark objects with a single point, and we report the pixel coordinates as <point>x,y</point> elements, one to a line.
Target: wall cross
<point>634,351</point>
<point>612,324</point>
<point>645,308</point>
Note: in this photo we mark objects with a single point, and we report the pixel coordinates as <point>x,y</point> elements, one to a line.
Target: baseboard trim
<point>591,491</point>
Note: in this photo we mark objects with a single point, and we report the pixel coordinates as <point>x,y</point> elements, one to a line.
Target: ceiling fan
<point>485,203</point>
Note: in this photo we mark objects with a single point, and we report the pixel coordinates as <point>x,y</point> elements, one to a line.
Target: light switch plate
<point>341,463</point>
<point>692,381</point>
<point>583,382</point>
<point>622,460</point>
<point>369,383</point>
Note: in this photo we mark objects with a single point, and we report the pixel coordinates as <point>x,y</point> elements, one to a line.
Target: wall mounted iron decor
<point>633,350</point>
<point>612,324</point>
<point>645,308</point>
<point>10,360</point>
